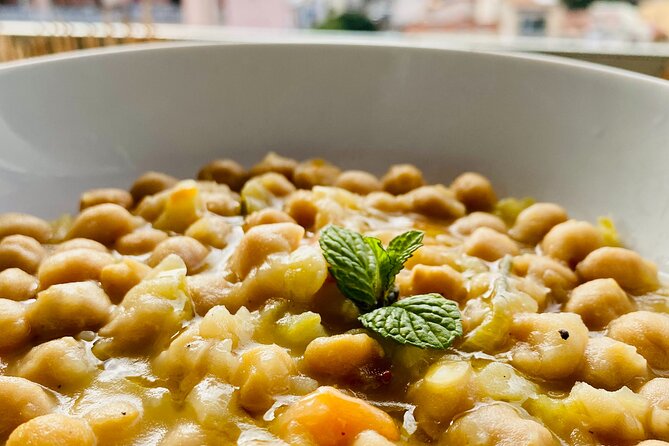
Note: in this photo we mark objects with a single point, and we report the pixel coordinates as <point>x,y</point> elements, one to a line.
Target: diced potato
<point>296,277</point>
<point>53,429</point>
<point>497,425</point>
<point>219,324</point>
<point>264,373</point>
<point>489,319</point>
<point>22,400</point>
<point>186,434</point>
<point>183,206</point>
<point>212,230</point>
<point>341,355</point>
<point>371,438</point>
<point>328,417</point>
<point>501,382</point>
<point>549,345</point>
<point>216,406</point>
<point>445,391</point>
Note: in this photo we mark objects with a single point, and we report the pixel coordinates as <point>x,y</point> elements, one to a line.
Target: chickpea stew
<point>294,303</point>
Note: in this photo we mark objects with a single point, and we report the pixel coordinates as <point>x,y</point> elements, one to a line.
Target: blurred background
<point>629,34</point>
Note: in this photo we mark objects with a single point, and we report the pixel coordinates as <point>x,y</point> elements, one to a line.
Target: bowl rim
<point>152,47</point>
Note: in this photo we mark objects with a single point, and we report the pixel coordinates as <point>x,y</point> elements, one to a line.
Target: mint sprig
<point>365,273</point>
<point>364,270</point>
<point>425,320</point>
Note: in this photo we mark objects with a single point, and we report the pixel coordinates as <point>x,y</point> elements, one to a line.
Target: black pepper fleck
<point>564,334</point>
<point>123,413</point>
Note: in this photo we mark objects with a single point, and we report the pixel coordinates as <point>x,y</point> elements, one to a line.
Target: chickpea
<point>475,191</point>
<point>438,279</point>
<point>100,196</point>
<point>151,183</point>
<point>140,241</point>
<point>402,178</point>
<point>657,392</point>
<point>22,400</point>
<point>261,241</point>
<point>301,207</point>
<point>14,325</point>
<point>114,419</point>
<point>610,364</point>
<point>274,163</point>
<point>211,230</point>
<point>497,425</point>
<point>553,274</point>
<point>264,372</point>
<point>571,241</point>
<point>632,272</point>
<point>469,223</point>
<point>316,172</point>
<point>489,245</point>
<point>224,171</point>
<point>103,223</point>
<point>341,356</point>
<point>192,252</point>
<point>446,390</point>
<point>648,332</point>
<point>434,255</point>
<point>62,364</point>
<point>13,223</point>
<point>387,202</point>
<point>16,284</point>
<point>76,265</point>
<point>265,217</point>
<point>209,290</point>
<point>118,278</point>
<point>359,182</point>
<point>549,345</point>
<point>435,201</point>
<point>598,302</point>
<point>67,309</point>
<point>534,222</point>
<point>53,429</point>
<point>20,251</point>
<point>219,199</point>
<point>80,243</point>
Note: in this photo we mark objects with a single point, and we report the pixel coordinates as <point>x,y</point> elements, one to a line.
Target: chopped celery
<point>508,208</point>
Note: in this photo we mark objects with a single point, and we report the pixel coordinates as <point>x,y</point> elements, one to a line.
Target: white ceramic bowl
<point>592,138</point>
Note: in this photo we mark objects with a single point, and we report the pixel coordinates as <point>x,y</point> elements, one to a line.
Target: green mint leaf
<point>353,264</point>
<point>400,249</point>
<point>426,321</point>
